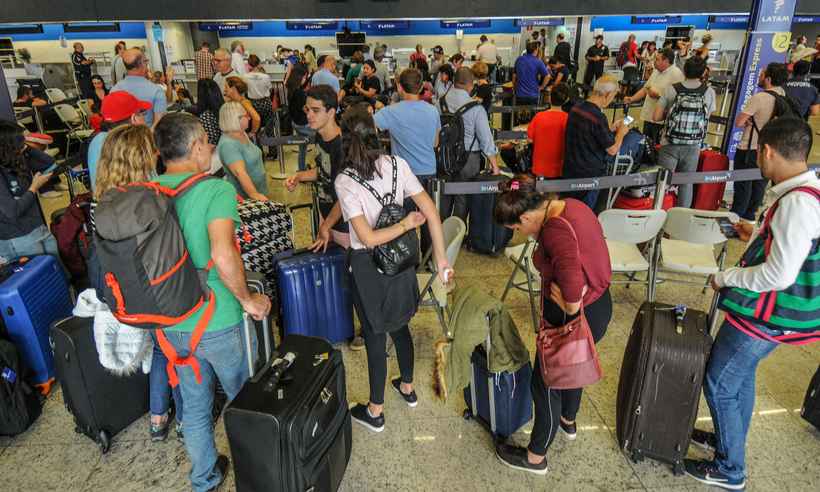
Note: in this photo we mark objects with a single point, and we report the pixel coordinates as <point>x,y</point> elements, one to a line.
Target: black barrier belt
<point>510,135</point>
<point>276,141</point>
<point>716,177</point>
<point>557,185</point>
<point>515,109</point>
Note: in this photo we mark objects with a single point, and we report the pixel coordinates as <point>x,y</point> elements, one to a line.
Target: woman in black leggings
<point>573,260</point>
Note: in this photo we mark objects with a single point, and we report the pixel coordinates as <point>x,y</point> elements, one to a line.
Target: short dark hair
<point>205,44</point>
<point>694,67</point>
<point>599,36</point>
<point>321,60</point>
<point>324,94</point>
<point>532,47</point>
<point>371,64</point>
<point>777,73</point>
<point>483,38</point>
<point>457,58</point>
<point>464,76</point>
<point>669,54</point>
<point>552,60</point>
<point>174,135</point>
<point>23,91</point>
<point>559,94</point>
<point>801,68</point>
<point>790,137</point>
<point>560,35</point>
<point>410,80</point>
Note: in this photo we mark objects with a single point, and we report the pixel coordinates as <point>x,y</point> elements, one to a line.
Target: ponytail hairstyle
<point>360,142</point>
<point>518,196</point>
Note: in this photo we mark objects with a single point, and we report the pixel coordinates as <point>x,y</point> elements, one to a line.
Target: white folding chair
<point>434,293</point>
<point>690,248</point>
<point>75,126</point>
<point>84,105</point>
<point>55,95</point>
<point>521,256</point>
<point>624,231</point>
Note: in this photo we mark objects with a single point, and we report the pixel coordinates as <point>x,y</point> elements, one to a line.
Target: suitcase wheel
<point>104,441</point>
<point>78,430</point>
<point>467,414</point>
<point>677,470</point>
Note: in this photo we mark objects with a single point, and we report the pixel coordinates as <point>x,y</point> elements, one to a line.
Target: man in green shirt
<point>208,219</point>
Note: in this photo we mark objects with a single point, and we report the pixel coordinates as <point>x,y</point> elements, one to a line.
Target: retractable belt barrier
<point>277,141</point>
<point>516,109</point>
<point>510,135</point>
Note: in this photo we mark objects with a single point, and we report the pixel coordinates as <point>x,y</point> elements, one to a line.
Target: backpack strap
<point>460,114</point>
<point>190,360</point>
<point>767,220</point>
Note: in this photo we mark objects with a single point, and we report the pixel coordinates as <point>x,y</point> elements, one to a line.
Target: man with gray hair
<point>222,64</point>
<point>238,57</point>
<point>138,86</point>
<point>208,218</point>
<point>590,139</point>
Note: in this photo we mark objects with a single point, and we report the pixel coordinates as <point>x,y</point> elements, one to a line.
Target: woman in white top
<point>384,304</point>
<point>259,87</point>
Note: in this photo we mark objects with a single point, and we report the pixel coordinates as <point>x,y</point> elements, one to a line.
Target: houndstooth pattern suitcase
<point>265,232</point>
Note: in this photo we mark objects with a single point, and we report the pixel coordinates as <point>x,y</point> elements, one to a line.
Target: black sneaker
<point>360,414</point>
<point>159,432</point>
<point>571,430</point>
<point>707,472</point>
<point>516,457</point>
<point>411,399</point>
<point>704,439</point>
<point>222,465</point>
<point>180,434</point>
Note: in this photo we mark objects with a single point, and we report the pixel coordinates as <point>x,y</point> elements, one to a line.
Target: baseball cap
<point>120,105</point>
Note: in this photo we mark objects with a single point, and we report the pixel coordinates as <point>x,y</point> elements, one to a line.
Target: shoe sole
<point>159,439</point>
<point>570,437</point>
<point>521,468</point>
<point>367,426</point>
<point>411,405</point>
<point>725,486</point>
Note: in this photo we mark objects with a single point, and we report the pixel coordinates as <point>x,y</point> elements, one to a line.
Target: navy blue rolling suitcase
<point>502,402</point>
<point>483,234</point>
<point>31,299</point>
<point>314,293</point>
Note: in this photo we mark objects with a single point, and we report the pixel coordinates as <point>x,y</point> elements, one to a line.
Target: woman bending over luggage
<point>384,304</point>
<point>573,261</point>
<point>130,156</point>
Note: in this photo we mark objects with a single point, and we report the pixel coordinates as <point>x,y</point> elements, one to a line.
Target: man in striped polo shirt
<point>769,299</point>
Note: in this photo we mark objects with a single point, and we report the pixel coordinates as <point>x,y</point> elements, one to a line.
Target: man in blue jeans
<point>208,218</point>
<point>767,299</point>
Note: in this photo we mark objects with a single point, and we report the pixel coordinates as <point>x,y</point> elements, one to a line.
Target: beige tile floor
<point>431,447</point>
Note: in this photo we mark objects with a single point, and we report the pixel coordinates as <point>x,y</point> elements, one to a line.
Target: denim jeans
<point>748,195</point>
<point>159,391</point>
<point>304,131</point>
<point>221,354</point>
<point>37,242</point>
<point>730,392</point>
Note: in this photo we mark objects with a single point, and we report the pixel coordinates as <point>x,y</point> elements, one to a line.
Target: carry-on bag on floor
<point>31,299</point>
<point>483,234</point>
<point>102,403</point>
<point>20,404</point>
<point>811,404</point>
<point>709,196</point>
<point>627,202</point>
<point>314,293</point>
<point>501,402</point>
<point>661,377</point>
<point>289,427</point>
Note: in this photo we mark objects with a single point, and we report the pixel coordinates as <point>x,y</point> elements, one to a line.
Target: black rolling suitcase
<point>811,405</point>
<point>102,403</point>
<point>292,433</point>
<point>483,234</point>
<point>660,383</point>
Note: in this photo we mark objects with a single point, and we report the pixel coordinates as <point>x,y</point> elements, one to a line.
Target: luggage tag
<point>319,358</point>
<point>9,375</point>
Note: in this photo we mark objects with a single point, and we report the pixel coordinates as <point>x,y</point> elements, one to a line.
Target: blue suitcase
<point>31,300</point>
<point>502,401</point>
<point>314,293</point>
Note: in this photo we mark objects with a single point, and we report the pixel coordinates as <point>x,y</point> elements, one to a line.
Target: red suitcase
<point>629,203</point>
<point>708,196</point>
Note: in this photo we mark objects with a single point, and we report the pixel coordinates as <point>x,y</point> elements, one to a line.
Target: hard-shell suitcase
<point>627,202</point>
<point>102,403</point>
<point>483,234</point>
<point>292,433</point>
<point>708,196</point>
<point>314,292</point>
<point>502,402</point>
<point>660,382</point>
<point>31,299</point>
<point>811,404</point>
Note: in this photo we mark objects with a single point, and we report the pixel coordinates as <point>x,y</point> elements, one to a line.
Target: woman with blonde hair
<point>130,156</point>
<point>241,158</point>
<point>236,89</point>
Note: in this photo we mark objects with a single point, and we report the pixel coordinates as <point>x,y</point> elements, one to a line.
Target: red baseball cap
<point>120,105</point>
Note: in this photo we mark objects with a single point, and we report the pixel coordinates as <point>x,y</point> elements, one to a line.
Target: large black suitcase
<point>102,403</point>
<point>660,383</point>
<point>483,234</point>
<point>811,404</point>
<point>294,435</point>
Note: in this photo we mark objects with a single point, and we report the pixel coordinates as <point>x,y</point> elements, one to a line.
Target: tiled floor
<point>431,447</point>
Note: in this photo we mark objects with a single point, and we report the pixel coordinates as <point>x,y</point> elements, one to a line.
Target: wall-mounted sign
<point>807,19</point>
<point>312,26</point>
<point>465,24</point>
<point>225,26</point>
<point>729,19</point>
<point>384,25</point>
<point>552,21</point>
<point>657,19</point>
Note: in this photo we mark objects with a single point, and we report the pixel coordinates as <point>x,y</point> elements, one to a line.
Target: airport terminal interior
<point>431,447</point>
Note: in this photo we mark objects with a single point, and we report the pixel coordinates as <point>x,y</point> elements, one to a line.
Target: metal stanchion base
<point>281,175</point>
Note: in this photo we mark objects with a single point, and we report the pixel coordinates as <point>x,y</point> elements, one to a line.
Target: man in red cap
<point>118,108</point>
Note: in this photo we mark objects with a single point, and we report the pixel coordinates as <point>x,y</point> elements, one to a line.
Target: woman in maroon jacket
<point>573,260</point>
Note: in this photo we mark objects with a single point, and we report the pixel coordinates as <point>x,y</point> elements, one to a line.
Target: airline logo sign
<point>775,16</point>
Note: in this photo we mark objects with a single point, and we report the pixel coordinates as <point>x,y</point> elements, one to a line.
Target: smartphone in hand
<point>727,228</point>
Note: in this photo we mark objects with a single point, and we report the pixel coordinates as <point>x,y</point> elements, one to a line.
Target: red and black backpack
<point>150,280</point>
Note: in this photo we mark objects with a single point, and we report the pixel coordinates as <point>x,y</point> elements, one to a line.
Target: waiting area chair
<point>55,95</point>
<point>434,293</point>
<point>625,231</point>
<point>74,123</point>
<point>521,256</point>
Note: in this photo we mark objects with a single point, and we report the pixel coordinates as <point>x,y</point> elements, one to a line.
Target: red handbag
<point>567,353</point>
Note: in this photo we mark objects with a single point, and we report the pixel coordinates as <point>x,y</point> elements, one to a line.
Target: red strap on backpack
<point>171,354</point>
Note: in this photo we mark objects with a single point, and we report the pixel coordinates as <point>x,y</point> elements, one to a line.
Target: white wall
<point>176,37</point>
<point>51,51</point>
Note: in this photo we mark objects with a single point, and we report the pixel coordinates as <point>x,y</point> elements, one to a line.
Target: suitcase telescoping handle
<point>247,325</point>
<point>714,315</point>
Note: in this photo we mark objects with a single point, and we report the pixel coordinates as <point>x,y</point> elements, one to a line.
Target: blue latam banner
<point>312,26</point>
<point>658,19</point>
<point>229,26</point>
<point>729,19</point>
<point>551,21</point>
<point>775,16</point>
<point>465,24</point>
<point>807,19</point>
<point>384,25</point>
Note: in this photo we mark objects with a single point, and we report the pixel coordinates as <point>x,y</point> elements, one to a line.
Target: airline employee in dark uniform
<point>82,71</point>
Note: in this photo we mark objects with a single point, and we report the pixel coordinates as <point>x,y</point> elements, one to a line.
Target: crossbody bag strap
<point>544,287</point>
<point>355,177</point>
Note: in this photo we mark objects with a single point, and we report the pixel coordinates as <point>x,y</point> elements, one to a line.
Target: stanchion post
<point>277,131</point>
<point>437,187</point>
<point>660,188</point>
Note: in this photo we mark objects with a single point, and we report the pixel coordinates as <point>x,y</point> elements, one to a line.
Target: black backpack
<point>784,107</point>
<point>19,403</point>
<point>451,154</point>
